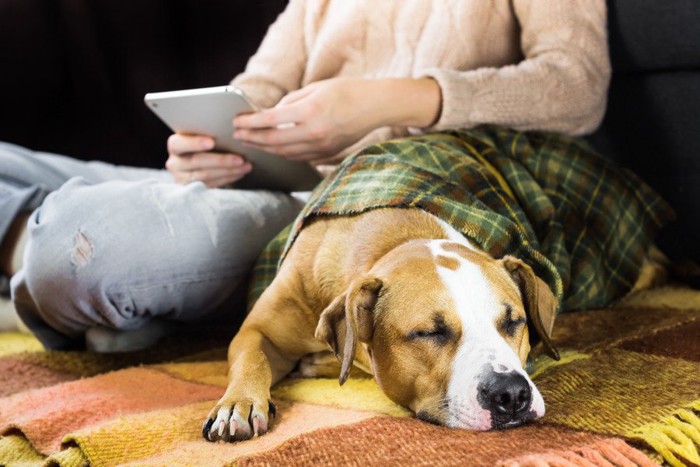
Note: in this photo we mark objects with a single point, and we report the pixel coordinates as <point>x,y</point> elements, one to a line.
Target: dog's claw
<point>256,426</point>
<point>208,423</point>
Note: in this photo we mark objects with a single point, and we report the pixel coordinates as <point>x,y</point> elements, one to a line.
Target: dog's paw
<point>238,420</point>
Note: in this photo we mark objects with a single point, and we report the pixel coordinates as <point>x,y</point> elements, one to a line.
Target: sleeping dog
<point>406,298</point>
<point>443,323</point>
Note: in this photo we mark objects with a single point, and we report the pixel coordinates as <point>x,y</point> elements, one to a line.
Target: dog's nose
<point>507,396</point>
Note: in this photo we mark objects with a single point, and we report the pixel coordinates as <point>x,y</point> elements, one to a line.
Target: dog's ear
<point>347,319</point>
<point>540,303</point>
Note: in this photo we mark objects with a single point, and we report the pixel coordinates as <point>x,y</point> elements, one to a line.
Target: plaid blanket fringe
<point>582,223</point>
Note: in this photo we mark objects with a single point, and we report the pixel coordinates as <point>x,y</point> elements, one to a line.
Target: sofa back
<point>74,72</point>
<point>652,124</point>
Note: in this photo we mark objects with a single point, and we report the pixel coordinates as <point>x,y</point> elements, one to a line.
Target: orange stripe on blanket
<point>46,415</point>
<point>608,453</point>
<point>173,436</point>
<point>385,441</point>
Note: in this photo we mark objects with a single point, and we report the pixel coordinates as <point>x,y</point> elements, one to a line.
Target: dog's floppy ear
<point>540,303</point>
<point>347,319</point>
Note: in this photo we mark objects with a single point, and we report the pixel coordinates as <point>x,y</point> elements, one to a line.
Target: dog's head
<point>446,329</point>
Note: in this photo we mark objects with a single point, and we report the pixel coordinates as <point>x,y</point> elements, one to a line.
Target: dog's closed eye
<point>508,323</point>
<point>439,333</point>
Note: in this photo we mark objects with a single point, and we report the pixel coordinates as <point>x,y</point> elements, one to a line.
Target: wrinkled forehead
<point>412,278</point>
<point>478,284</point>
<point>443,275</point>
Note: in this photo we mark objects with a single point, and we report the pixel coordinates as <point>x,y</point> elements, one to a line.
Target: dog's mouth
<point>506,426</point>
<point>514,423</point>
<point>480,421</point>
<point>485,422</point>
<point>428,417</point>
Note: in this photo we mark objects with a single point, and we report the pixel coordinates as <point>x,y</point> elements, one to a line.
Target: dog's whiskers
<point>457,411</point>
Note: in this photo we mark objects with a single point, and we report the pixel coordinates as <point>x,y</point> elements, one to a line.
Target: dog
<point>399,293</point>
<point>433,263</point>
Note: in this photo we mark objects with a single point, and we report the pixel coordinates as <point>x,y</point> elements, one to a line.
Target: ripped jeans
<point>117,246</point>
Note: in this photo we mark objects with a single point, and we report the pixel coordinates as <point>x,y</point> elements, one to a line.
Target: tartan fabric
<point>583,224</point>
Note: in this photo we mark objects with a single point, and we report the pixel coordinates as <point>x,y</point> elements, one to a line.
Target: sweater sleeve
<point>560,85</point>
<point>277,66</point>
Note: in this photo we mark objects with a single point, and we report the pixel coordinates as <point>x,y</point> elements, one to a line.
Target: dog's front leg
<point>244,410</point>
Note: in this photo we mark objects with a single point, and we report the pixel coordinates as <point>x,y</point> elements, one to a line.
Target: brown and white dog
<point>400,294</point>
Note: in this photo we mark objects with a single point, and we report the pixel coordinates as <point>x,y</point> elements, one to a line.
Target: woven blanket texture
<point>625,393</point>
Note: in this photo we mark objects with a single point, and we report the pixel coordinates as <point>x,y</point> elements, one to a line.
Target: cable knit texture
<point>526,64</point>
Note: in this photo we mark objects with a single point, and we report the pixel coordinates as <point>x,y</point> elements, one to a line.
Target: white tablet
<point>210,111</point>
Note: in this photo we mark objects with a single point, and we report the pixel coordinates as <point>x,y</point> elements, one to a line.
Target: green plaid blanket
<point>583,224</point>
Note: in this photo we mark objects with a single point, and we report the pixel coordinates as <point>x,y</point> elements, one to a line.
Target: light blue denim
<point>116,246</point>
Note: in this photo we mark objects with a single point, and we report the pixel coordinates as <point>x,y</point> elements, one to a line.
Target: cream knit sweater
<point>526,64</point>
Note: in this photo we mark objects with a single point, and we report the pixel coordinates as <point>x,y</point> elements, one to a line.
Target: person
<point>109,255</point>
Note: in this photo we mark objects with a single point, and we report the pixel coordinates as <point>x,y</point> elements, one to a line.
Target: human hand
<point>314,122</point>
<point>325,117</point>
<point>190,159</point>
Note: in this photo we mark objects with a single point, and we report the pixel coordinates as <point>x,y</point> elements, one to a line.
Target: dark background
<point>73,74</point>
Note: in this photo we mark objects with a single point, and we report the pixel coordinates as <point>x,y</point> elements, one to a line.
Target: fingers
<point>189,161</point>
<point>273,136</point>
<point>272,118</point>
<point>299,142</point>
<point>300,152</point>
<point>314,122</point>
<point>214,178</point>
<point>203,161</point>
<point>186,144</point>
<point>296,95</point>
<point>213,169</point>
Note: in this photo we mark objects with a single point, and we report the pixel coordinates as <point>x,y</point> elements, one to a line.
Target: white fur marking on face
<point>477,307</point>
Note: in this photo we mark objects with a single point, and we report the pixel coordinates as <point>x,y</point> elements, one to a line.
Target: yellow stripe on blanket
<point>213,373</point>
<point>71,456</point>
<point>542,363</point>
<point>16,342</point>
<point>17,450</point>
<point>617,391</point>
<point>357,393</point>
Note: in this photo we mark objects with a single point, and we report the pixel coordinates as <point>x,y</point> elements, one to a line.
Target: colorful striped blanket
<point>625,393</point>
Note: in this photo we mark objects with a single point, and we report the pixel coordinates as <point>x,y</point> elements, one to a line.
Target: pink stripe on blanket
<point>17,375</point>
<point>46,415</point>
